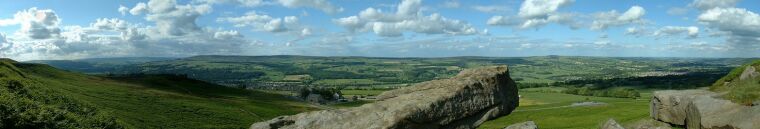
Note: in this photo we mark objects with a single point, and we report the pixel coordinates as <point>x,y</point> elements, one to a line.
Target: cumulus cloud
<point>35,23</point>
<point>612,18</point>
<point>710,4</point>
<point>691,31</point>
<point>536,9</point>
<point>227,34</point>
<point>741,25</point>
<point>175,34</point>
<point>262,22</point>
<point>537,13</point>
<point>140,8</point>
<point>323,5</point>
<point>123,10</point>
<point>407,18</point>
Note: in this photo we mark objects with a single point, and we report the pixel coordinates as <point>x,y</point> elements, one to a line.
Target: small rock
<point>611,124</point>
<point>524,125</point>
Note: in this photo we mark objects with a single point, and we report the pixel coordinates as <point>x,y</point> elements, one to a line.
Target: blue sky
<point>73,29</point>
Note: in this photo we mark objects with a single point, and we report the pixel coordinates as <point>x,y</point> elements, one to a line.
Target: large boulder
<point>701,109</point>
<point>464,101</point>
<point>524,125</point>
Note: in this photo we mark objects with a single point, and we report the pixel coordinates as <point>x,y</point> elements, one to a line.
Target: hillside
<point>742,84</point>
<point>101,65</point>
<point>40,96</point>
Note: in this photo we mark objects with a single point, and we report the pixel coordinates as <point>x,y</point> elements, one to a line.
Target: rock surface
<point>611,124</point>
<point>698,109</point>
<point>748,73</point>
<point>524,125</point>
<point>464,101</point>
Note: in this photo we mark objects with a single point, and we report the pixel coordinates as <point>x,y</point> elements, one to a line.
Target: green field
<point>362,92</point>
<point>373,71</point>
<point>551,111</point>
<point>133,101</point>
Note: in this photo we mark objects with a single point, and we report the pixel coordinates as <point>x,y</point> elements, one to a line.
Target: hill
<point>742,84</point>
<point>101,65</point>
<point>40,96</point>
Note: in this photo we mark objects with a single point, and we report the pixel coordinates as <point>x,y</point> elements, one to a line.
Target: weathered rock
<point>650,124</point>
<point>669,105</point>
<point>748,73</point>
<point>524,125</point>
<point>700,109</point>
<point>611,124</point>
<point>464,101</point>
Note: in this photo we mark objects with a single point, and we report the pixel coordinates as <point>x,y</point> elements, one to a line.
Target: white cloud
<point>227,34</point>
<point>407,18</point>
<point>110,24</point>
<point>323,5</point>
<point>123,10</point>
<point>261,22</point>
<point>35,23</point>
<point>636,31</point>
<point>490,8</point>
<point>503,21</point>
<point>612,18</point>
<point>741,25</point>
<point>111,37</point>
<point>170,18</point>
<point>691,31</point>
<point>710,4</point>
<point>140,8</point>
<point>305,32</point>
<point>541,9</point>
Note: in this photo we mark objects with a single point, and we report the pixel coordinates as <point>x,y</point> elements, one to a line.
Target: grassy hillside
<point>101,65</point>
<point>40,96</point>
<point>744,91</point>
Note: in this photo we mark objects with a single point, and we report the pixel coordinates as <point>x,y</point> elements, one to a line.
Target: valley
<point>544,82</point>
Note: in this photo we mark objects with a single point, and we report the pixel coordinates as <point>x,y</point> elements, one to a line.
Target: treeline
<point>685,81</point>
<point>609,92</point>
<point>325,93</point>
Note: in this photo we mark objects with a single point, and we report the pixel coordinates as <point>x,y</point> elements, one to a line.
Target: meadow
<point>553,111</point>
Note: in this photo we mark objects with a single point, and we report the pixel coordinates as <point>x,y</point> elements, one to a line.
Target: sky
<point>76,29</point>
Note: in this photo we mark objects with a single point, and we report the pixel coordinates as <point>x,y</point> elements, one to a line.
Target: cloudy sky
<point>73,29</point>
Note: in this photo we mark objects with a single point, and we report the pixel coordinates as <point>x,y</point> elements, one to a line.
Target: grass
<point>744,92</point>
<point>362,92</point>
<point>542,109</point>
<point>163,101</point>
